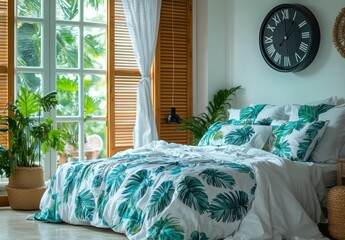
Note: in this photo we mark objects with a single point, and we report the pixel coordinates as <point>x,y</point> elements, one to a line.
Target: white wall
<point>233,38</point>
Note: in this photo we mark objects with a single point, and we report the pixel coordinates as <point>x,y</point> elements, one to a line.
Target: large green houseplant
<point>30,137</point>
<point>215,111</point>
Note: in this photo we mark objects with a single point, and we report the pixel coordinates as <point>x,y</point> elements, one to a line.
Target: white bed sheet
<point>329,172</point>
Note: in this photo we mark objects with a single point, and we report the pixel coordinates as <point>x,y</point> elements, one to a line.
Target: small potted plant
<point>30,137</point>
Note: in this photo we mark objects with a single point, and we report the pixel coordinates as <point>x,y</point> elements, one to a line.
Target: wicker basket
<point>336,212</point>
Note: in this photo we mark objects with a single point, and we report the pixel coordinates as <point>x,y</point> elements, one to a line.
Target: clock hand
<point>288,34</point>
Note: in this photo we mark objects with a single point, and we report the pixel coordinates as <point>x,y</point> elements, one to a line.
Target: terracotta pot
<point>26,188</point>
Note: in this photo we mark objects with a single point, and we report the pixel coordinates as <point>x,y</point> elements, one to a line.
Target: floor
<point>13,225</point>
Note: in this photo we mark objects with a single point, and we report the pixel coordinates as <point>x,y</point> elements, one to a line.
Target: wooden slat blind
<point>124,74</point>
<point>6,58</point>
<point>173,72</point>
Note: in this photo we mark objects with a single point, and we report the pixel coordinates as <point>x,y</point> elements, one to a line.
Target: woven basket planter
<point>26,188</point>
<point>336,212</point>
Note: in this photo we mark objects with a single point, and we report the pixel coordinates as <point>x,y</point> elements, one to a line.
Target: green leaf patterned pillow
<point>295,140</point>
<point>246,114</point>
<point>308,113</point>
<point>230,133</point>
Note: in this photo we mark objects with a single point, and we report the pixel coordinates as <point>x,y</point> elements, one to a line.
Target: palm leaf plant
<point>215,111</point>
<point>30,136</point>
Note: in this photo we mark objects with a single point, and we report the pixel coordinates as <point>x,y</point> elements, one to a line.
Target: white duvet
<point>285,205</point>
<point>288,196</point>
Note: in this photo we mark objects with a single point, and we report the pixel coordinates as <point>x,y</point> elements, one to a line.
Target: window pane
<point>95,48</point>
<point>32,8</point>
<point>67,95</point>
<point>95,140</point>
<point>32,81</point>
<point>67,10</point>
<point>29,37</point>
<point>67,39</point>
<point>95,95</point>
<point>95,11</point>
<point>71,153</point>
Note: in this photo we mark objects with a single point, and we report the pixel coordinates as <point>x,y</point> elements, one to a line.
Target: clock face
<point>289,38</point>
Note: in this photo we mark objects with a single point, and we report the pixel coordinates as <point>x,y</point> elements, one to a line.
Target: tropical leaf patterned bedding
<point>160,191</point>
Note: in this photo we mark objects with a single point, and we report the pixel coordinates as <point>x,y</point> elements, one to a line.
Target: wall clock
<point>339,33</point>
<point>289,38</point>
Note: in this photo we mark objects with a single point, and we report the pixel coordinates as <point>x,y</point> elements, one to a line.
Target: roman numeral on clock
<point>277,58</point>
<point>302,24</point>
<point>305,35</point>
<point>271,50</point>
<point>268,39</point>
<point>303,47</point>
<point>285,14</point>
<point>276,19</point>
<point>287,62</point>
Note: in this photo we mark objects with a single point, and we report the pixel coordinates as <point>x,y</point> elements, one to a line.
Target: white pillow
<point>333,139</point>
<point>296,140</point>
<point>226,133</point>
<point>330,101</point>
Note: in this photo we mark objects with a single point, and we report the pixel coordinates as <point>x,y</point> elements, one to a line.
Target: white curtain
<point>142,18</point>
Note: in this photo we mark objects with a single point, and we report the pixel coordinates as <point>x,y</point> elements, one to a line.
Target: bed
<point>241,182</point>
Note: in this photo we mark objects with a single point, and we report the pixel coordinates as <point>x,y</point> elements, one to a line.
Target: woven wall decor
<point>339,33</point>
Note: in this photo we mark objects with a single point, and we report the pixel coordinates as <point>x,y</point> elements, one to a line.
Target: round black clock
<point>289,38</point>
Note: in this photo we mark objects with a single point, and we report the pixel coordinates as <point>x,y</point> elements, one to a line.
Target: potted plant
<point>215,111</point>
<point>30,137</point>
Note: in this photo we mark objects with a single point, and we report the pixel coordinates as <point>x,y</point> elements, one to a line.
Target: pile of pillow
<point>312,132</point>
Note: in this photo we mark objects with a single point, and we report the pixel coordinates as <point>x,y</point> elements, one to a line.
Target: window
<point>61,45</point>
<point>82,49</point>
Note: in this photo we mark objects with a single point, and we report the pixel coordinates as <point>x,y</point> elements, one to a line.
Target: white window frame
<point>49,70</point>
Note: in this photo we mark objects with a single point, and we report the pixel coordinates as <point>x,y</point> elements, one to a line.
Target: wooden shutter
<point>6,58</point>
<point>124,78</point>
<point>124,75</point>
<point>164,65</point>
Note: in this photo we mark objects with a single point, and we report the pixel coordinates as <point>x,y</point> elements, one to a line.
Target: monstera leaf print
<point>311,113</point>
<point>135,223</point>
<point>229,207</point>
<point>137,185</point>
<point>98,178</point>
<point>130,217</point>
<point>160,198</point>
<point>198,236</point>
<point>115,178</point>
<point>264,121</point>
<point>242,169</point>
<point>85,205</point>
<point>218,135</point>
<point>72,178</point>
<point>101,203</point>
<point>192,193</point>
<point>208,136</point>
<point>282,149</point>
<point>217,178</point>
<point>303,149</point>
<point>251,112</point>
<point>166,229</point>
<point>50,214</point>
<point>314,129</point>
<point>287,128</point>
<point>239,136</point>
